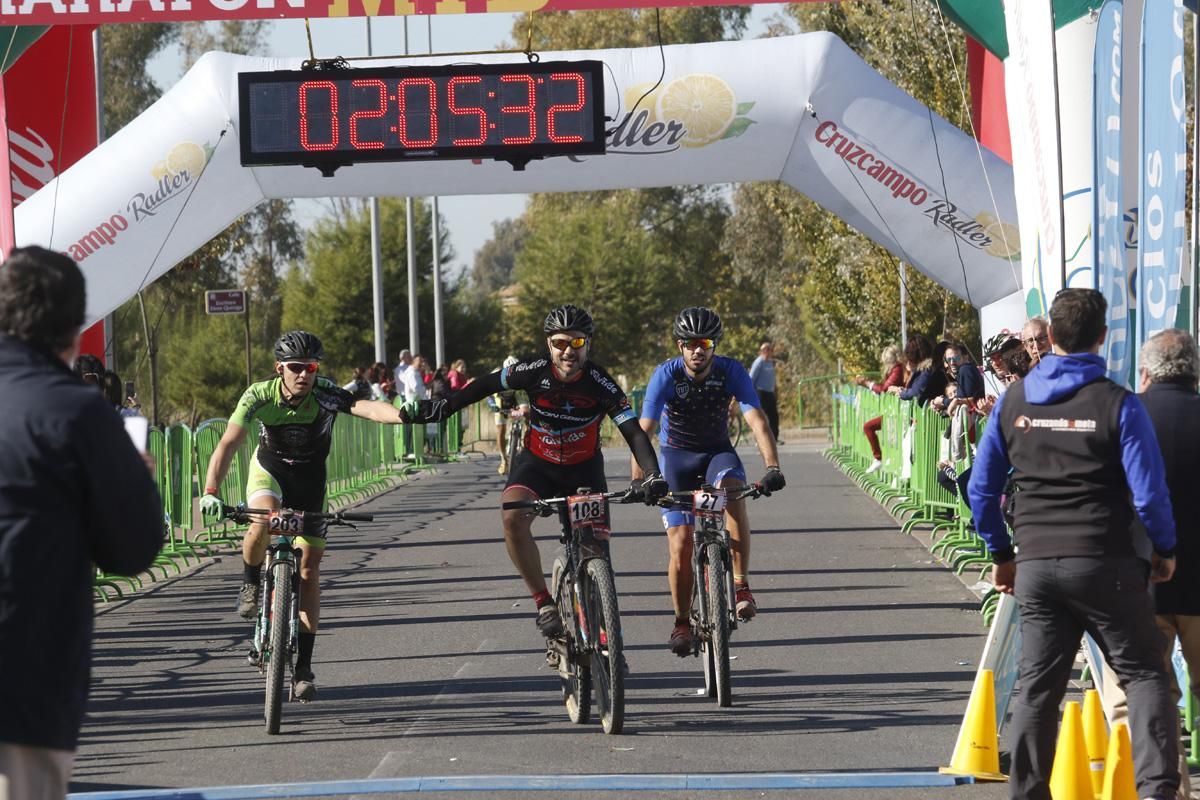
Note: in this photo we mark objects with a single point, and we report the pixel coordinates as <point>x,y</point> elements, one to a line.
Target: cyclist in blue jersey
<point>689,397</point>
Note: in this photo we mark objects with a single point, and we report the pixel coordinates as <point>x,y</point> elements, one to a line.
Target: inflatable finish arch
<point>802,109</point>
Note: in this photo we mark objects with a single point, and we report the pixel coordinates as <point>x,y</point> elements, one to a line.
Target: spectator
<point>1169,368</point>
<point>1079,445</point>
<point>414,380</point>
<point>1035,335</point>
<point>1017,363</point>
<point>891,366</point>
<point>359,385</point>
<point>113,391</point>
<point>380,380</point>
<point>994,352</point>
<point>73,491</point>
<point>964,382</point>
<point>458,375</point>
<point>406,361</point>
<point>90,369</point>
<point>439,384</point>
<point>762,372</point>
<point>924,382</point>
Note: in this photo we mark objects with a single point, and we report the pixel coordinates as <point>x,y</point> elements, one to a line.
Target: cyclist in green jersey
<point>295,411</point>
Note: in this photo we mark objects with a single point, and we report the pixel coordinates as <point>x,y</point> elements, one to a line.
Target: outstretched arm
<point>377,411</point>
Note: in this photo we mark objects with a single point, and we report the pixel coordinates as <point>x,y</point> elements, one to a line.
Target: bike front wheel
<point>604,634</point>
<point>277,642</point>
<point>516,435</point>
<point>716,657</point>
<point>575,674</point>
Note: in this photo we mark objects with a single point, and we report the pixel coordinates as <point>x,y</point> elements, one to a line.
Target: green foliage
<point>330,294</point>
<point>128,88</point>
<point>590,30</point>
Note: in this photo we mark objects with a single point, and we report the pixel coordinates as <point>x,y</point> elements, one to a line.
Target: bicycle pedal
<point>253,658</point>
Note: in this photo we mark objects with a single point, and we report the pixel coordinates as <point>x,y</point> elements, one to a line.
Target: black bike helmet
<point>569,318</point>
<point>698,322</point>
<point>298,346</point>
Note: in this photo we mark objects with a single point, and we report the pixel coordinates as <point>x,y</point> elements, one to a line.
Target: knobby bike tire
<point>281,592</point>
<point>608,677</point>
<point>736,427</point>
<point>577,682</point>
<point>718,614</point>
<point>516,433</point>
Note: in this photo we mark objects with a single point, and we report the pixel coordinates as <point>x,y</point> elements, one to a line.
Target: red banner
<point>7,233</point>
<point>51,94</point>
<point>97,12</point>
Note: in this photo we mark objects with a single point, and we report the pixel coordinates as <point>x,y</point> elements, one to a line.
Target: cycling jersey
<point>292,436</point>
<point>694,415</point>
<point>564,416</point>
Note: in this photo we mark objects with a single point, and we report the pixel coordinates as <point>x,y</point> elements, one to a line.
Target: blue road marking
<point>545,783</point>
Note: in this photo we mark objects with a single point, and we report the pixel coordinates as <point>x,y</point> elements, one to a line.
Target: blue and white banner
<point>1107,210</point>
<point>1162,213</point>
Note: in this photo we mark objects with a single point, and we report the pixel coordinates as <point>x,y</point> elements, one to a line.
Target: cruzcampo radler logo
<point>690,111</point>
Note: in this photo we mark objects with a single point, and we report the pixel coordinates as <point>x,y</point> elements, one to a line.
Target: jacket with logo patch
<point>1079,447</point>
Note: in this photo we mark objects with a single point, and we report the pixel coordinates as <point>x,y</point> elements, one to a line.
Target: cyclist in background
<point>689,396</point>
<point>295,411</point>
<point>569,396</point>
<point>505,405</point>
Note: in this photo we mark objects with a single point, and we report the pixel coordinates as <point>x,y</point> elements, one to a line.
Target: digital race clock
<point>332,118</point>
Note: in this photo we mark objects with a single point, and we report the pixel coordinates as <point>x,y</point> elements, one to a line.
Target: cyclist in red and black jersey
<point>569,396</point>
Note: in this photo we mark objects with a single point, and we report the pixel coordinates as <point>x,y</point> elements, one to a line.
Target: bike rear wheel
<point>735,428</point>
<point>716,666</point>
<point>575,674</point>
<point>603,615</point>
<point>277,642</point>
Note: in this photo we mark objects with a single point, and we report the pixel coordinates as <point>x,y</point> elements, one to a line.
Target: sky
<point>468,218</point>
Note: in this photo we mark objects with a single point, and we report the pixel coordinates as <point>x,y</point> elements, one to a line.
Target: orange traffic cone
<point>977,751</point>
<point>1118,775</point>
<point>1069,779</point>
<point>1095,734</point>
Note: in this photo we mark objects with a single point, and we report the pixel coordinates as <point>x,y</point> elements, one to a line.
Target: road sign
<point>225,301</point>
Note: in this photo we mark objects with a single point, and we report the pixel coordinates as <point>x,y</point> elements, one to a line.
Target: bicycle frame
<point>280,549</point>
<point>710,529</point>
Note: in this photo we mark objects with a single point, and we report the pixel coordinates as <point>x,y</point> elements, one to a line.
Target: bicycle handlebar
<point>240,513</point>
<point>751,490</point>
<point>551,505</point>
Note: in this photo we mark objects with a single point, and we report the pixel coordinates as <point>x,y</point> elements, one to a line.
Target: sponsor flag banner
<point>1162,226</point>
<point>842,134</point>
<point>7,234</point>
<point>1033,115</point>
<point>52,120</point>
<point>107,12</point>
<point>1107,226</point>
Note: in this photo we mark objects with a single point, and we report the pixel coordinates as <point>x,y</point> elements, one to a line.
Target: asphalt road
<point>428,662</point>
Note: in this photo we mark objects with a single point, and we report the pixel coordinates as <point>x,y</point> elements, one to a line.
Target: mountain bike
<point>714,606</point>
<point>516,437</point>
<point>278,625</point>
<point>736,424</point>
<point>590,650</point>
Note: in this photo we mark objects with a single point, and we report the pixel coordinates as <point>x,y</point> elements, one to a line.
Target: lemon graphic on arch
<point>1006,237</point>
<point>187,157</point>
<point>704,104</point>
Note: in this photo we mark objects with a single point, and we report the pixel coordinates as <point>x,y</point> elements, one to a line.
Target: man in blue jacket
<point>73,491</point>
<point>1079,446</point>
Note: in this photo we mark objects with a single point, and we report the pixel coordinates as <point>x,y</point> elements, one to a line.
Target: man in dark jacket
<point>73,491</point>
<point>1170,367</point>
<point>1079,445</point>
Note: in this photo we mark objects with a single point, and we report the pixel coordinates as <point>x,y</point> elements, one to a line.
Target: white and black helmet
<point>299,346</point>
<point>698,322</point>
<point>569,318</point>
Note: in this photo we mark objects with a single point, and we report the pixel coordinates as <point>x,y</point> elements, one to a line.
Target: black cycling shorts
<point>299,487</point>
<point>546,479</point>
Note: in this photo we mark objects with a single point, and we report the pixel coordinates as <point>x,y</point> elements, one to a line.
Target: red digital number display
<point>333,118</point>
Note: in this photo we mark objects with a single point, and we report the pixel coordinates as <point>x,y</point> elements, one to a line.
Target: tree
<point>128,88</point>
<point>828,287</point>
<point>331,293</point>
<point>494,262</point>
